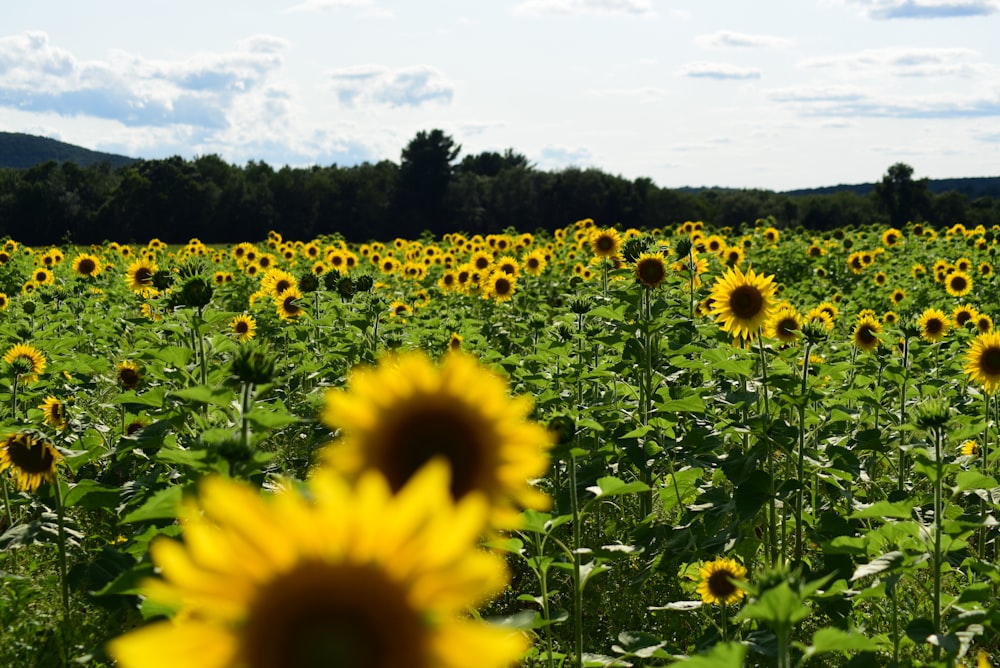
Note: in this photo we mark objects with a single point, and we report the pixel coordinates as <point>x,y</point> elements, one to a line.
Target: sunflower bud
<point>814,332</point>
<point>197,292</point>
<point>932,414</point>
<point>633,248</point>
<point>308,282</point>
<point>163,279</point>
<point>580,305</point>
<point>28,307</point>
<point>253,365</point>
<point>346,287</point>
<point>364,283</point>
<point>562,428</point>
<point>683,248</point>
<point>331,278</point>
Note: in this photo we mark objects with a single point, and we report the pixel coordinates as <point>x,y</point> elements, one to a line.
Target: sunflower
<point>4,301</point>
<point>396,417</point>
<point>651,269</point>
<point>277,282</point>
<point>27,361</point>
<point>964,315</point>
<point>898,295</point>
<point>534,262</point>
<point>890,318</point>
<point>985,269</point>
<point>891,237</point>
<point>499,286</point>
<point>455,341</point>
<point>339,575</point>
<point>742,303</point>
<point>866,333</point>
<point>772,235</point>
<point>934,324</point>
<point>785,324</point>
<point>880,278</point>
<point>139,275</point>
<point>43,276</point>
<point>86,265</point>
<point>855,262</point>
<point>958,284</point>
<point>31,459</point>
<point>53,412</point>
<point>984,323</point>
<point>244,327</point>
<point>969,448</point>
<point>982,362</point>
<point>718,581</point>
<point>605,243</point>
<point>287,304</point>
<point>733,256</point>
<point>399,309</point>
<point>128,375</point>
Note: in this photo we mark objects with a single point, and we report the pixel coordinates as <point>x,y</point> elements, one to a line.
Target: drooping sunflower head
<point>407,411</point>
<point>53,412</point>
<point>958,284</point>
<point>243,326</point>
<point>340,575</point>
<point>718,581</point>
<point>605,243</point>
<point>742,303</point>
<point>128,375</point>
<point>31,459</point>
<point>934,324</point>
<point>982,362</point>
<point>651,269</point>
<point>26,361</point>
<point>866,333</point>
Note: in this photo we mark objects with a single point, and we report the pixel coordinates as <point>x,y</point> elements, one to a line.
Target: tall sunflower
<point>396,417</point>
<point>785,324</point>
<point>866,333</point>
<point>742,303</point>
<point>982,361</point>
<point>26,360</point>
<point>718,581</point>
<point>651,269</point>
<point>934,324</point>
<point>139,274</point>
<point>340,575</point>
<point>31,459</point>
<point>605,243</point>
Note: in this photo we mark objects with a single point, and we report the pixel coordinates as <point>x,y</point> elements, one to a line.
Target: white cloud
<point>860,103</point>
<point>38,76</point>
<point>706,70</point>
<point>584,7</point>
<point>641,92</point>
<point>403,87</point>
<point>559,157</point>
<point>728,38</point>
<point>925,9</point>
<point>904,61</point>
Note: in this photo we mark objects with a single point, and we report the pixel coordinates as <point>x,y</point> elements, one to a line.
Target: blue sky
<point>763,94</point>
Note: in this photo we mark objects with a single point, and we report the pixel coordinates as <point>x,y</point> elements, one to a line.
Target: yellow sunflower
<point>399,309</point>
<point>866,333</point>
<point>784,324</point>
<point>396,417</point>
<point>963,315</point>
<point>277,281</point>
<point>934,324</point>
<point>139,275</point>
<point>53,412</point>
<point>742,303</point>
<point>455,341</point>
<point>31,459</point>
<point>244,327</point>
<point>718,581</point>
<point>338,575</point>
<point>287,304</point>
<point>499,286</point>
<point>27,361</point>
<point>86,265</point>
<point>128,375</point>
<point>969,448</point>
<point>4,301</point>
<point>984,323</point>
<point>958,284</point>
<point>982,362</point>
<point>733,256</point>
<point>605,243</point>
<point>651,269</point>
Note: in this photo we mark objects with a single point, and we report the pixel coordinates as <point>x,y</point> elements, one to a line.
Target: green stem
<point>6,503</point>
<point>938,529</point>
<point>62,553</point>
<point>772,508</point>
<point>244,422</point>
<point>577,565</point>
<point>13,396</point>
<point>801,468</point>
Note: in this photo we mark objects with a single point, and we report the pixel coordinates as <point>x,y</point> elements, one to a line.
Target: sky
<point>730,93</point>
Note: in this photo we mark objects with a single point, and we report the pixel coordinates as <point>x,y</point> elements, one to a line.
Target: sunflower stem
<point>938,529</point>
<point>801,464</point>
<point>901,473</point>
<point>13,396</point>
<point>6,505</point>
<point>61,538</point>
<point>244,422</point>
<point>577,562</point>
<point>772,508</point>
<point>202,360</point>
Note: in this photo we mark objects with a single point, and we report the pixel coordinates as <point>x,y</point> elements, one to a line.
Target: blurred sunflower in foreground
<point>336,575</point>
<point>407,411</point>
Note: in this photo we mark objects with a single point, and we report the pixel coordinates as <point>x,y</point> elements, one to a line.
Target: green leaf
<point>832,639</point>
<point>778,606</point>
<point>881,509</point>
<point>91,495</point>
<point>161,505</point>
<point>153,397</point>
<point>886,562</point>
<point>680,488</point>
<point>722,655</point>
<point>612,486</point>
<point>275,417</point>
<point>206,395</point>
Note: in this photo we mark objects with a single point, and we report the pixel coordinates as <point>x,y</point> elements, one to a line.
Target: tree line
<point>432,189</point>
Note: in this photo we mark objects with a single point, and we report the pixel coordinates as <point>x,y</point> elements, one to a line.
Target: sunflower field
<point>600,447</point>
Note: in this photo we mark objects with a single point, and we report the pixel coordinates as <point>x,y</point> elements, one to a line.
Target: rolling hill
<point>20,151</point>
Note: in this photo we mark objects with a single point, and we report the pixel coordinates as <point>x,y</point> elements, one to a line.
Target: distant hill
<point>20,151</point>
<point>973,187</point>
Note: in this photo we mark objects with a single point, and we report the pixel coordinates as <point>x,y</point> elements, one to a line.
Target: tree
<point>425,171</point>
<point>902,198</point>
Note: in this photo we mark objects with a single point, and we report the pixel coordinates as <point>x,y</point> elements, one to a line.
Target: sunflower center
<point>934,326</point>
<point>28,456</point>
<point>958,283</point>
<point>143,275</point>
<point>128,377</point>
<point>651,272</point>
<point>866,335</point>
<point>502,286</point>
<point>242,327</point>
<point>333,615</point>
<point>963,317</point>
<point>720,583</point>
<point>86,266</point>
<point>746,301</point>
<point>989,362</point>
<point>424,432</point>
